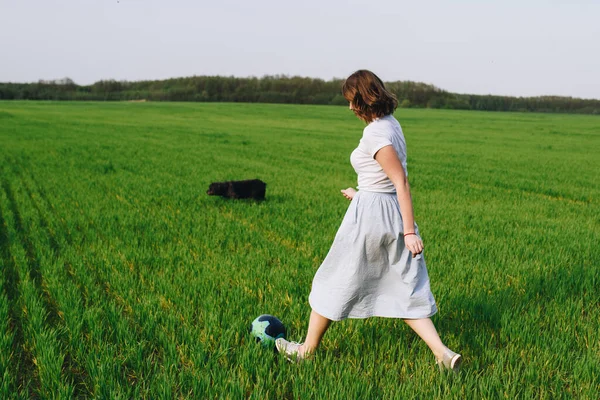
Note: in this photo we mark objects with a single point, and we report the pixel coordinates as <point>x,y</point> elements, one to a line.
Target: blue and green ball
<point>266,328</point>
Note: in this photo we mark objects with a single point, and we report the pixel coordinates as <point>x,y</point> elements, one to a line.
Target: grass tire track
<point>72,367</point>
<point>24,367</point>
<point>108,294</point>
<point>32,260</point>
<point>86,299</point>
<point>48,342</point>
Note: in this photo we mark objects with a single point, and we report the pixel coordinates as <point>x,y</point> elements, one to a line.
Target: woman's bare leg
<point>317,326</point>
<point>426,330</point>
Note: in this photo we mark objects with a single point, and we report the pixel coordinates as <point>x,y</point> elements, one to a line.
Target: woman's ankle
<point>439,353</point>
<point>306,349</point>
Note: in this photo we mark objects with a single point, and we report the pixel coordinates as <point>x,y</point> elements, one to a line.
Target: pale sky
<point>518,48</point>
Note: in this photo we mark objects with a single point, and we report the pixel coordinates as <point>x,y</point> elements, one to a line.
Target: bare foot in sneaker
<point>348,193</point>
<point>449,361</point>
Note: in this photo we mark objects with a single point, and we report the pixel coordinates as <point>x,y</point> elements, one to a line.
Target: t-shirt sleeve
<point>374,141</point>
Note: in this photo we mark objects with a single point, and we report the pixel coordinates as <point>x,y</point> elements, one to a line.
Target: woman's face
<point>354,110</point>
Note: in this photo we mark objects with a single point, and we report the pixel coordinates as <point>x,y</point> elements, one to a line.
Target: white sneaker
<point>289,350</point>
<point>451,361</point>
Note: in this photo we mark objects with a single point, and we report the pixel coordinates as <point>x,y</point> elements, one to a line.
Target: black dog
<point>251,189</point>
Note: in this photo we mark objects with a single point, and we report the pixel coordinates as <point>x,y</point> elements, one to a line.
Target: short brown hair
<point>368,95</point>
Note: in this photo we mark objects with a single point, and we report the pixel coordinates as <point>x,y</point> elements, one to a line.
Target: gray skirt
<point>368,271</point>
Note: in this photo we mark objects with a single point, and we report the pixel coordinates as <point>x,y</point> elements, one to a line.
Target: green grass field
<point>122,279</point>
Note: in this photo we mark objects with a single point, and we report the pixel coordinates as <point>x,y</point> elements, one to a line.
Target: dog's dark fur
<point>251,189</point>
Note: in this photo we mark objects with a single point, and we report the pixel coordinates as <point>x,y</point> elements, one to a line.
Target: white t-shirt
<point>379,133</point>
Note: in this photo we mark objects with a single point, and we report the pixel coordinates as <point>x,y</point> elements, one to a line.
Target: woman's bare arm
<point>388,159</point>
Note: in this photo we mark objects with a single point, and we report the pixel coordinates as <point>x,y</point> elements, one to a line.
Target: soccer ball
<point>266,328</point>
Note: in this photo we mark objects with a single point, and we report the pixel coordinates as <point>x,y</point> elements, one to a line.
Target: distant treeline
<point>282,89</point>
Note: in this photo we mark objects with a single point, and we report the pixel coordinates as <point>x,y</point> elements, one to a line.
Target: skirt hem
<point>370,315</point>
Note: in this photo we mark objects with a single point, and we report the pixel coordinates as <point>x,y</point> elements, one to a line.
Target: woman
<point>375,266</point>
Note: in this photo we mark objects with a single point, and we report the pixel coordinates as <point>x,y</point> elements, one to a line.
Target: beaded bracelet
<point>411,233</point>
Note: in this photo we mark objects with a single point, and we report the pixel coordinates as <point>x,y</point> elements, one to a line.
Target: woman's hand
<point>348,193</point>
<point>414,244</point>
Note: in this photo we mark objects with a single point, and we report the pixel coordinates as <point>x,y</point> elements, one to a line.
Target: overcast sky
<point>508,47</point>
